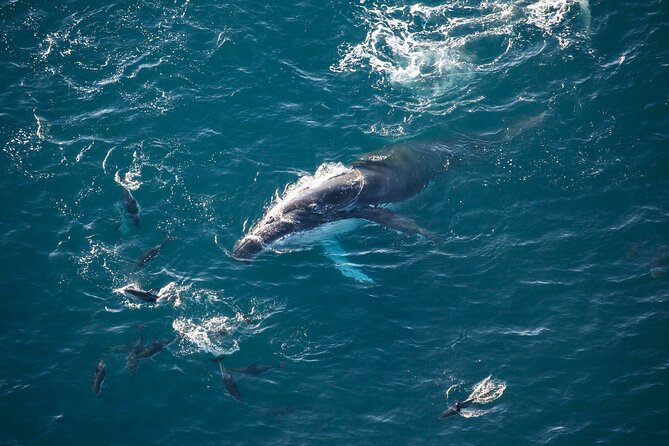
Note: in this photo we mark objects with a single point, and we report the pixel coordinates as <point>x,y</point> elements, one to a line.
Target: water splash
<point>324,172</point>
<point>487,390</point>
<point>212,334</point>
<point>437,52</point>
<point>484,392</point>
<point>552,15</point>
<point>130,178</point>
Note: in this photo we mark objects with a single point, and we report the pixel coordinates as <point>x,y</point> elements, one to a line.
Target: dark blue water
<point>549,277</point>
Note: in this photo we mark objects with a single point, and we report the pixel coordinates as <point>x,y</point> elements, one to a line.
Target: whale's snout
<point>246,248</point>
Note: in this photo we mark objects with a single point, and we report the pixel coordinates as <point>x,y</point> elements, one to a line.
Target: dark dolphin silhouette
<point>131,205</point>
<point>255,369</point>
<point>98,377</point>
<point>228,382</point>
<point>133,350</point>
<point>146,296</point>
<point>151,253</point>
<point>157,346</point>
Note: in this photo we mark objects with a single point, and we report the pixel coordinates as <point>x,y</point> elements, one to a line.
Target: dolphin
<point>358,191</point>
<point>151,253</point>
<point>255,369</point>
<point>98,377</point>
<point>155,347</point>
<point>131,205</point>
<point>132,361</point>
<point>228,382</point>
<point>146,296</point>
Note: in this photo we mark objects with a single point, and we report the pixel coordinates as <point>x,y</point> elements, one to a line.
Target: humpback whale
<point>359,191</point>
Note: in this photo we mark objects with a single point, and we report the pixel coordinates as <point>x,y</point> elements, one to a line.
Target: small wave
<point>409,42</point>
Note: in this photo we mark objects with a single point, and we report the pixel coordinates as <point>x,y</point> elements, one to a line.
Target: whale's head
<point>247,248</point>
<point>271,228</point>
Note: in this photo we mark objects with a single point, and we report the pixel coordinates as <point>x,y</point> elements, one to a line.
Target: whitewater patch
<point>438,50</point>
<point>213,334</point>
<point>483,392</point>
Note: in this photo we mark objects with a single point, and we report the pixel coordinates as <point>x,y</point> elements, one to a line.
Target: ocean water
<point>546,293</point>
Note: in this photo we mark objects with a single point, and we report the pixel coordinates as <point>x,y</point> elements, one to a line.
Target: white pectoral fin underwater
<point>336,253</point>
<point>359,191</point>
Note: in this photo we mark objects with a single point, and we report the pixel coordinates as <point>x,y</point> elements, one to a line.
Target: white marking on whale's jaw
<point>305,239</point>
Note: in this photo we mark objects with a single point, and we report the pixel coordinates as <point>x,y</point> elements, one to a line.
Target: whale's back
<point>400,171</point>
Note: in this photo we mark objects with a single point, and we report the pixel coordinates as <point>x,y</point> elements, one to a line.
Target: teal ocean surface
<point>544,295</point>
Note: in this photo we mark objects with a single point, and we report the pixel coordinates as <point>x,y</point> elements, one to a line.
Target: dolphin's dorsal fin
<point>389,219</point>
<point>337,254</point>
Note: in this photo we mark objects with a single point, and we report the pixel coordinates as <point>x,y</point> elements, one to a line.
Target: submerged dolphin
<point>98,377</point>
<point>151,253</point>
<point>255,369</point>
<point>157,346</point>
<point>355,192</point>
<point>228,382</point>
<point>132,361</point>
<point>131,205</point>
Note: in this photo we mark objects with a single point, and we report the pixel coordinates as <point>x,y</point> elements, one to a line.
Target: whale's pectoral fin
<point>389,219</point>
<point>337,254</point>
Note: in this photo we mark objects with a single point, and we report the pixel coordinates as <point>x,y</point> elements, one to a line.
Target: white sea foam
<point>484,392</point>
<point>487,390</point>
<point>551,15</point>
<point>432,50</point>
<point>40,131</point>
<point>131,178</point>
<point>213,334</point>
<point>83,151</point>
<point>324,172</point>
